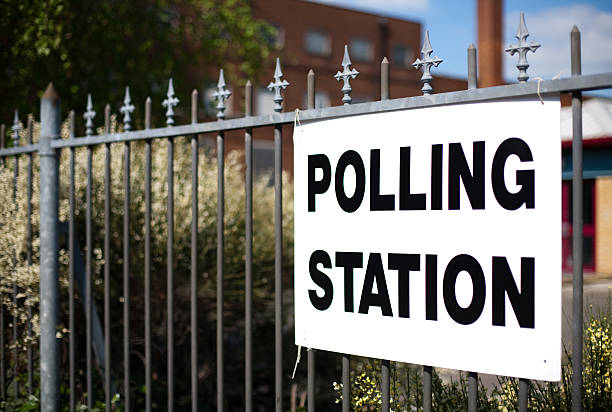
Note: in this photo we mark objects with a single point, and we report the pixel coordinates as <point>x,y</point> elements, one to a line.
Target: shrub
<point>451,395</point>
<point>17,272</point>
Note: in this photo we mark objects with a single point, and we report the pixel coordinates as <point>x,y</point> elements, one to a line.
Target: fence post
<point>385,363</point>
<point>577,237</point>
<point>310,87</point>
<point>472,376</point>
<point>49,284</point>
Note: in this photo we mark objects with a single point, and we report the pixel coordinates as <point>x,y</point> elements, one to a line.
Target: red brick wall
<point>490,43</point>
<point>296,17</point>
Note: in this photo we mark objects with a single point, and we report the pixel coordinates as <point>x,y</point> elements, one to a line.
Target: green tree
<point>101,46</point>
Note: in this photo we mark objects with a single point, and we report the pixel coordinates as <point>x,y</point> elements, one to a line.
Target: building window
<point>263,101</point>
<point>321,100</point>
<point>318,43</point>
<point>276,38</point>
<point>361,50</point>
<point>588,228</point>
<point>401,56</point>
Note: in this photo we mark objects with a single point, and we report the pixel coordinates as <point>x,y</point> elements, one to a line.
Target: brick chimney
<point>490,48</point>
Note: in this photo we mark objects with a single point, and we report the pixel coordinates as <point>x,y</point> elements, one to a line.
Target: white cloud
<point>384,7</point>
<point>551,28</point>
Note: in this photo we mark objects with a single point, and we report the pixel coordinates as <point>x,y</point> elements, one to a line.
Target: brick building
<point>597,190</point>
<point>312,36</point>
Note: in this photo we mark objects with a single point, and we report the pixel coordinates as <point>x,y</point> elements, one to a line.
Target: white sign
<point>433,236</point>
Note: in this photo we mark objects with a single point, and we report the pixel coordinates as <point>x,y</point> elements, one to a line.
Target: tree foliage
<point>101,46</point>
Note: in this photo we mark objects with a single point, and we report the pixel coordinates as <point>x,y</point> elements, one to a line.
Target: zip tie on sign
<point>299,352</point>
<point>539,95</point>
<point>296,120</point>
<point>540,81</point>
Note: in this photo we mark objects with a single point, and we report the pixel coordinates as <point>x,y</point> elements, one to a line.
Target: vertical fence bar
<point>384,79</point>
<point>49,251</point>
<point>126,276</point>
<point>71,243</point>
<point>577,235</point>
<point>248,245</point>
<point>346,74</point>
<point>126,109</point>
<point>170,102</point>
<point>277,86</point>
<point>220,242</point>
<point>523,394</point>
<point>88,281</point>
<point>427,399</point>
<point>2,351</point>
<point>385,384</point>
<point>194,255</point>
<point>221,94</point>
<point>472,67</point>
<point>2,142</point>
<point>472,376</point>
<point>472,391</point>
<point>107,260</point>
<point>170,274</point>
<point>385,364</point>
<point>147,274</point>
<point>29,255</point>
<point>346,383</point>
<point>278,265</point>
<point>311,90</point>
<point>523,383</point>
<point>15,318</point>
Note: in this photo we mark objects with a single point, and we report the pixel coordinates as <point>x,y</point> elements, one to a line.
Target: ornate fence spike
<point>170,102</point>
<point>16,128</point>
<point>277,85</point>
<point>522,50</point>
<point>222,94</point>
<point>127,110</point>
<point>89,116</point>
<point>346,74</point>
<point>425,64</point>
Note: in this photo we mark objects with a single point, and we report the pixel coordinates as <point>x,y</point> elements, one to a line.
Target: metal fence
<point>50,147</point>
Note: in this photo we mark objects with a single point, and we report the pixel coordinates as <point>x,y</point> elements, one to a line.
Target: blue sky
<point>452,27</point>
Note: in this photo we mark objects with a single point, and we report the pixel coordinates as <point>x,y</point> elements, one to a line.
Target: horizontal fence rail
<point>98,354</point>
<point>564,85</point>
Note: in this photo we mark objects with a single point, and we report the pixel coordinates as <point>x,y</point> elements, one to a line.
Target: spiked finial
<point>522,48</point>
<point>16,128</point>
<point>425,64</point>
<point>127,110</point>
<point>170,102</point>
<point>89,116</point>
<point>346,74</point>
<point>222,94</point>
<point>278,85</point>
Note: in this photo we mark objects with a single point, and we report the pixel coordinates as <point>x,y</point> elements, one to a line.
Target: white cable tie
<point>539,95</point>
<point>299,351</point>
<point>296,120</point>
